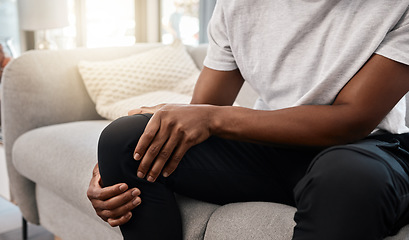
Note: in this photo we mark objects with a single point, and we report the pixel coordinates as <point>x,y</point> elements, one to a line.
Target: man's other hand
<point>114,203</point>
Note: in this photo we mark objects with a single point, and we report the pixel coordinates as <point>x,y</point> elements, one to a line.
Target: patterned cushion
<point>164,74</point>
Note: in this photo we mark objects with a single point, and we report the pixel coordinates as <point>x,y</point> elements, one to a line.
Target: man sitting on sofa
<point>327,134</point>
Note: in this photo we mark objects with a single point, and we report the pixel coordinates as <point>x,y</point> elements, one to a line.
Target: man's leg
<point>223,171</point>
<point>158,215</point>
<point>351,193</point>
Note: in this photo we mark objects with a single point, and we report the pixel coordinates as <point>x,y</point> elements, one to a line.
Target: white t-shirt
<point>302,52</point>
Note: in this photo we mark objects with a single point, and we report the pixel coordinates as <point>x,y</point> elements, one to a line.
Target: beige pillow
<point>161,75</point>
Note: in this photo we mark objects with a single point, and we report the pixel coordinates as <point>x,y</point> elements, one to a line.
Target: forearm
<point>309,125</point>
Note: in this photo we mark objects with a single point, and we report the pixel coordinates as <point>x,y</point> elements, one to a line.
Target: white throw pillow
<point>161,75</point>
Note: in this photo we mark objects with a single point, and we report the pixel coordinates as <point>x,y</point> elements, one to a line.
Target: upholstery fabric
<point>73,150</point>
<point>251,220</point>
<point>69,222</point>
<point>402,234</point>
<point>166,68</point>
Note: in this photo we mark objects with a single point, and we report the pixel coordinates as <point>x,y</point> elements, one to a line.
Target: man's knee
<point>123,131</point>
<point>351,174</point>
<point>116,146</point>
<point>346,189</point>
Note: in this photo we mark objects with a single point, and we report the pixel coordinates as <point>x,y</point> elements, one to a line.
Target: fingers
<point>145,109</point>
<point>117,207</point>
<point>95,171</point>
<point>170,156</point>
<point>175,160</point>
<point>147,137</point>
<point>95,191</point>
<point>156,152</point>
<point>135,111</point>
<point>142,110</point>
<point>119,221</point>
<point>161,159</point>
<point>171,127</point>
<point>158,143</point>
<point>119,201</point>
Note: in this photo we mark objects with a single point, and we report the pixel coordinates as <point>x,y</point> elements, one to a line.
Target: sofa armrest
<point>43,88</point>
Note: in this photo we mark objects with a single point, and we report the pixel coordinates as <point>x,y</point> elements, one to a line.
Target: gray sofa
<point>50,130</point>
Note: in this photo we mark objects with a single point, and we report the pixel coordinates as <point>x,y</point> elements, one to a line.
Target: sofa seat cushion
<point>61,157</point>
<point>251,220</point>
<point>258,221</point>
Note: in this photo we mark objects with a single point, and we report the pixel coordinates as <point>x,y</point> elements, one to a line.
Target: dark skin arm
<point>357,110</point>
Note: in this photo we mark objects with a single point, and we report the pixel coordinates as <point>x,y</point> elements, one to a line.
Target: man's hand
<point>172,130</point>
<point>143,110</point>
<point>113,204</point>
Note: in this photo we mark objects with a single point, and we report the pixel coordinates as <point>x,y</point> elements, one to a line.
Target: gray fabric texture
<point>65,165</point>
<point>403,234</point>
<point>69,222</point>
<point>259,221</point>
<point>195,216</point>
<point>251,220</point>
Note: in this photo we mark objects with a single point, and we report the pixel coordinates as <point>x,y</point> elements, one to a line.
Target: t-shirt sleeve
<point>395,45</point>
<point>219,55</point>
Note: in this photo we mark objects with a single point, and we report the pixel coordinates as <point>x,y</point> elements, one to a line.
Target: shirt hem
<point>393,54</point>
<point>219,66</point>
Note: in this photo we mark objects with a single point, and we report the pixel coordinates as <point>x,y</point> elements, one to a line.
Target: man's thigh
<point>342,180</point>
<point>223,171</point>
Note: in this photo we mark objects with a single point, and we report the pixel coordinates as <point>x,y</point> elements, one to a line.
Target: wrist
<point>215,119</point>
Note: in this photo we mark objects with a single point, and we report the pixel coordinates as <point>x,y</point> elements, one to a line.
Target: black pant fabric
<point>358,191</point>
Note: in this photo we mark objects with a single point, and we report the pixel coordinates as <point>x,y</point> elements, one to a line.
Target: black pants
<point>358,191</point>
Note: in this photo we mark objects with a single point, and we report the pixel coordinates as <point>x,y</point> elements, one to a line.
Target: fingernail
<point>135,193</point>
<point>136,202</point>
<point>137,156</point>
<point>129,215</point>
<point>151,179</point>
<point>140,175</point>
<point>122,188</point>
<point>165,174</point>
